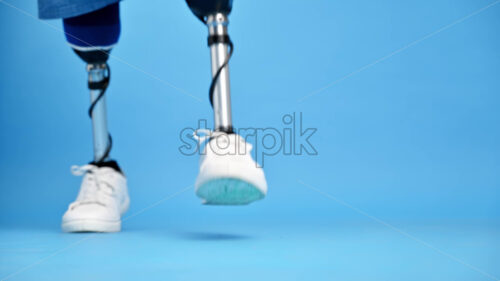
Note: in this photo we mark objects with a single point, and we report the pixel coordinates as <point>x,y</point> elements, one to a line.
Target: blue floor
<point>180,251</point>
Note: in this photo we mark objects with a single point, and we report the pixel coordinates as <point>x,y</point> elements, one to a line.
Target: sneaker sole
<point>228,191</point>
<point>90,225</point>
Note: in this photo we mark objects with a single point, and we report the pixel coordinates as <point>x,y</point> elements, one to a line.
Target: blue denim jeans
<point>54,9</point>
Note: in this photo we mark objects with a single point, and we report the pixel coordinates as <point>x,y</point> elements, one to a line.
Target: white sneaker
<point>102,200</point>
<point>228,174</point>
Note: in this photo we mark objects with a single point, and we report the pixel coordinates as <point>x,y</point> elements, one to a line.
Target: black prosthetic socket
<point>203,8</point>
<point>227,130</point>
<point>111,164</point>
<point>94,33</point>
<point>94,56</point>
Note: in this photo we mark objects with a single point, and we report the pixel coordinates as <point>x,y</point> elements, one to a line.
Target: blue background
<point>411,140</point>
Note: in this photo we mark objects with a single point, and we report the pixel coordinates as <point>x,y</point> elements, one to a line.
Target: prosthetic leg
<point>98,80</point>
<point>103,196</point>
<point>228,174</point>
<point>92,36</point>
<point>214,15</point>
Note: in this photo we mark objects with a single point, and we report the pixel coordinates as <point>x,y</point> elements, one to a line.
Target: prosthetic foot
<point>228,174</point>
<point>102,200</point>
<point>103,196</point>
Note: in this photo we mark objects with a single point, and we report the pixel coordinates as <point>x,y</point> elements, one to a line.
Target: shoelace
<point>93,191</point>
<point>202,135</point>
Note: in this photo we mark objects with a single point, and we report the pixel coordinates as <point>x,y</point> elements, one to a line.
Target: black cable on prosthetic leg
<point>214,39</point>
<point>102,86</point>
<point>204,10</point>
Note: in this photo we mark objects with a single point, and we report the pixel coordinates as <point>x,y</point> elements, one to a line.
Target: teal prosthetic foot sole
<point>228,191</point>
